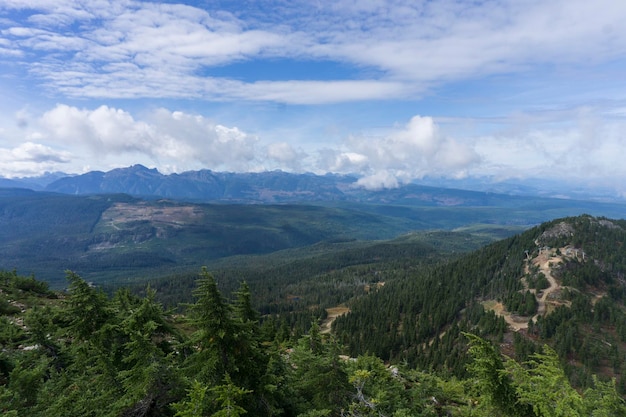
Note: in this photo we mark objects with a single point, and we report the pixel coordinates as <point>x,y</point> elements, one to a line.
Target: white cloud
<point>107,137</point>
<point>347,161</point>
<point>31,159</point>
<point>282,151</point>
<point>194,139</point>
<point>407,153</point>
<point>316,92</point>
<point>581,147</point>
<point>378,181</point>
<point>66,138</point>
<point>441,40</point>
<point>395,49</point>
<point>103,130</point>
<point>586,149</point>
<point>176,139</point>
<point>285,156</point>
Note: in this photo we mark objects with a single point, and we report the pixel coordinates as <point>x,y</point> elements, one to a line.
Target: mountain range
<point>279,186</point>
<point>129,221</point>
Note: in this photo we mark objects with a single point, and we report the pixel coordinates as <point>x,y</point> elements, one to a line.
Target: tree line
<point>83,353</point>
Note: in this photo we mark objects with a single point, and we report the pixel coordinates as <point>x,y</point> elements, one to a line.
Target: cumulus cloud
<point>378,181</point>
<point>174,139</point>
<point>104,130</point>
<point>407,153</point>
<point>189,137</point>
<point>107,137</point>
<point>337,161</point>
<point>31,159</point>
<point>285,156</point>
<point>584,149</point>
<point>37,153</point>
<point>71,139</point>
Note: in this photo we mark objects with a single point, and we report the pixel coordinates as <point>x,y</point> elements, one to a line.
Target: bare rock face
<point>609,224</point>
<point>563,229</point>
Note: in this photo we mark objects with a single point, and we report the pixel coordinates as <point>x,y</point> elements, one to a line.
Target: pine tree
<point>497,386</point>
<point>88,310</point>
<point>149,377</point>
<point>543,385</point>
<point>215,337</point>
<point>194,405</point>
<point>229,396</point>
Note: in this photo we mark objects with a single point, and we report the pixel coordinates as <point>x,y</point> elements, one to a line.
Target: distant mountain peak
<point>285,187</point>
<point>135,169</point>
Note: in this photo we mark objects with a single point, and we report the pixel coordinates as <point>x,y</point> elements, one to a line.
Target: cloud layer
<point>391,49</point>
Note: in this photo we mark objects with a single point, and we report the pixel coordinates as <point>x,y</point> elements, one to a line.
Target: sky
<point>392,91</point>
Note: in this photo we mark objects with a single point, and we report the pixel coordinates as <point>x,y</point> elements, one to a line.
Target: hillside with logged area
<point>532,325</point>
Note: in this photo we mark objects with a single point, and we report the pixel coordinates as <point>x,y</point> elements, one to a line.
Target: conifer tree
<point>320,379</point>
<point>149,377</point>
<point>194,405</point>
<point>88,309</point>
<point>544,386</point>
<point>215,335</point>
<point>229,397</point>
<point>495,383</point>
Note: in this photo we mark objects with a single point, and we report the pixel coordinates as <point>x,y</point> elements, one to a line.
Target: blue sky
<point>390,90</point>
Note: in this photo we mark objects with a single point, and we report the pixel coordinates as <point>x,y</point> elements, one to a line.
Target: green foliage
<point>228,396</point>
<point>194,405</point>
<point>25,380</point>
<point>524,304</point>
<point>85,353</point>
<point>488,367</point>
<point>319,379</point>
<point>602,400</point>
<point>88,308</point>
<point>10,334</point>
<point>216,335</point>
<point>426,308</point>
<point>7,308</point>
<point>537,281</point>
<point>378,389</point>
<point>109,237</point>
<point>136,364</point>
<point>543,385</point>
<point>538,386</point>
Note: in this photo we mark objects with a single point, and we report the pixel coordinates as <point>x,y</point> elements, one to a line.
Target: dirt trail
<point>333,313</point>
<point>544,261</point>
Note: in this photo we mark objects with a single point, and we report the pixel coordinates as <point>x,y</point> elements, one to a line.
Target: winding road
<point>544,261</point>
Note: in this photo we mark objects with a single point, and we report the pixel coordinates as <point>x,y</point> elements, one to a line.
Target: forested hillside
<point>115,237</point>
<point>420,319</point>
<point>109,237</point>
<point>82,353</point>
<point>294,287</point>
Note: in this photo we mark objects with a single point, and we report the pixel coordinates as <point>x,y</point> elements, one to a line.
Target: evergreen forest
<point>530,325</point>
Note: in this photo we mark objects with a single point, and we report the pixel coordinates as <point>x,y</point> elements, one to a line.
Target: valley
<point>414,305</point>
<point>404,282</point>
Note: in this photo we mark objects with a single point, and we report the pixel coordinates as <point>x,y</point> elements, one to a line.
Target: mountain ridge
<point>279,186</point>
<point>560,283</point>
